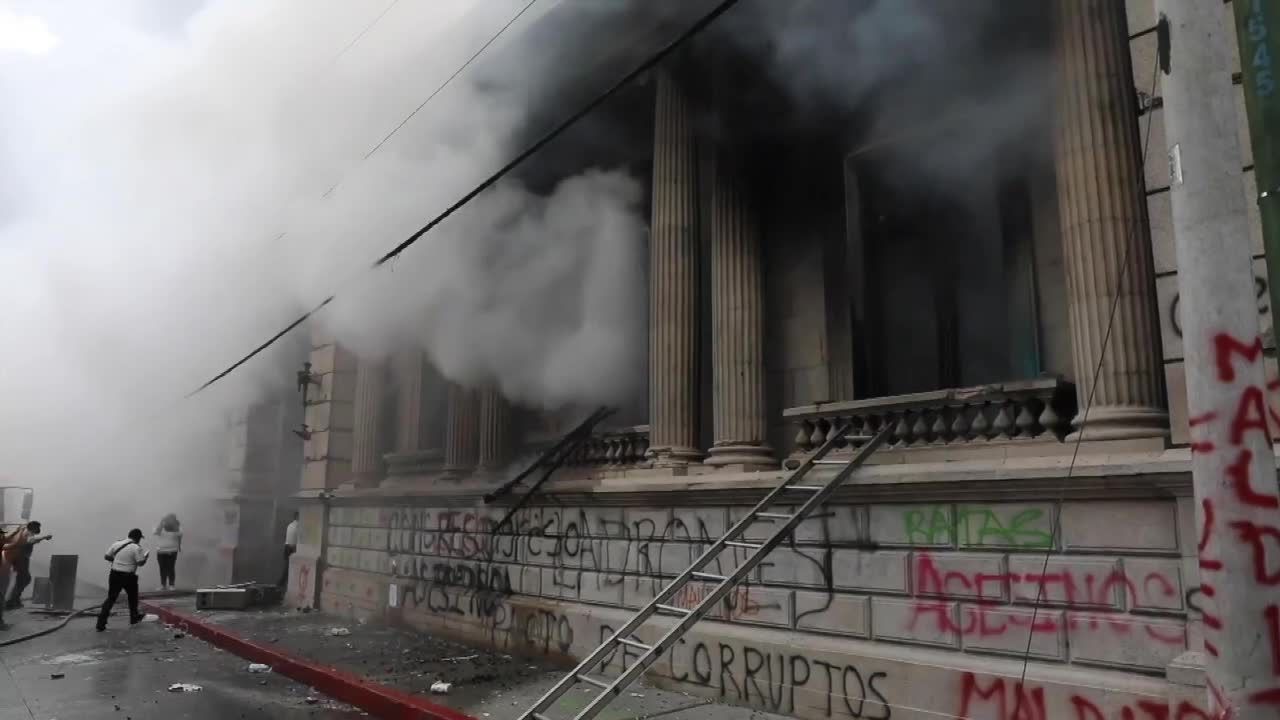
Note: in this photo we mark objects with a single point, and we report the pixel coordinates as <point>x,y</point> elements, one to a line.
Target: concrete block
<point>833,613</point>
<point>1005,630</point>
<point>1242,126</point>
<point>959,575</point>
<point>529,580</point>
<point>1142,50</point>
<point>804,566</point>
<point>1155,584</point>
<point>1124,641</point>
<point>885,571</point>
<point>1175,385</point>
<point>675,557</point>
<point>1250,189</point>
<point>647,523</point>
<point>754,604</point>
<point>1168,301</point>
<point>1160,214</point>
<point>561,583</point>
<point>1151,136</point>
<point>834,524</point>
<point>1067,581</point>
<point>698,523</point>
<point>539,550</point>
<point>913,525</point>
<point>1120,526</point>
<point>605,556</point>
<point>331,357</point>
<point>759,530</point>
<point>1141,15</point>
<point>600,589</point>
<point>638,591</point>
<point>927,622</point>
<point>603,522</point>
<point>1004,525</point>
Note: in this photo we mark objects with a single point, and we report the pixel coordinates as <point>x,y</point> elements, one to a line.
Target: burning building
<point>987,272</point>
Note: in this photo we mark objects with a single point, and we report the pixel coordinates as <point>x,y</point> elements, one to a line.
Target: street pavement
<point>125,673</point>
<point>487,684</point>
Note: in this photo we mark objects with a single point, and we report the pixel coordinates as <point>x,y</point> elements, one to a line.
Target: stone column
<point>737,320</point>
<point>461,436</point>
<point>409,373</point>
<point>673,281</point>
<point>495,418</point>
<point>1104,226</point>
<point>366,454</point>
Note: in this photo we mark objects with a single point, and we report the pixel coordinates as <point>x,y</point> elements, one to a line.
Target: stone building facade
<point>784,303</point>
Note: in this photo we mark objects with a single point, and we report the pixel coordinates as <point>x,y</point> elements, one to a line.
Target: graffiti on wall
<point>1237,516</point>
<point>998,698</point>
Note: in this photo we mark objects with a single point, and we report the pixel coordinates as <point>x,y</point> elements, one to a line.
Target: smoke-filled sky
<point>180,178</point>
<point>153,152</point>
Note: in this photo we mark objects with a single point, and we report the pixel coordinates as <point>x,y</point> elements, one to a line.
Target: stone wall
<point>870,611</point>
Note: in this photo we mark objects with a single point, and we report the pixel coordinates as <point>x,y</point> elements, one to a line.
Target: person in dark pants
<point>25,543</point>
<point>125,556</point>
<point>290,547</point>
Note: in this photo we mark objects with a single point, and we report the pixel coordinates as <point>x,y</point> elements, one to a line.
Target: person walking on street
<point>24,544</point>
<point>168,545</point>
<point>290,547</point>
<point>125,556</point>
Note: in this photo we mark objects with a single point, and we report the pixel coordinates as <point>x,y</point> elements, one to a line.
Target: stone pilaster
<point>673,281</point>
<point>366,453</point>
<point>461,436</point>
<point>737,325</point>
<point>495,421</point>
<point>1104,226</point>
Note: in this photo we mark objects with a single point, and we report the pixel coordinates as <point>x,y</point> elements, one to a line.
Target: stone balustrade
<point>1024,411</point>
<point>617,447</point>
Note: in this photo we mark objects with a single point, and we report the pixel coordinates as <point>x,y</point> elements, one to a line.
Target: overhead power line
<point>648,64</point>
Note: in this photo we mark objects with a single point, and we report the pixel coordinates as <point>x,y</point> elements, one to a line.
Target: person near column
<point>6,547</point>
<point>125,556</point>
<point>290,547</point>
<point>168,545</point>
<point>24,545</point>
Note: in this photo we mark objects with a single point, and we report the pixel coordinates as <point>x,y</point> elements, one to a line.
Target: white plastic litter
<point>440,687</point>
<point>339,632</point>
<point>150,617</point>
<point>184,688</point>
<point>259,668</point>
<point>460,658</point>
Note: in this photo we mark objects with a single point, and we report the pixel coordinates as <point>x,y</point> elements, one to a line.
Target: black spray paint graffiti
<point>1260,291</point>
<point>770,680</point>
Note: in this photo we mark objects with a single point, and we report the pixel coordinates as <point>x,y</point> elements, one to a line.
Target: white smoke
<point>165,209</point>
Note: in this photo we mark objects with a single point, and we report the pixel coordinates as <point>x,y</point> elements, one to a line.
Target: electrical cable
<point>1093,386</point>
<point>488,182</point>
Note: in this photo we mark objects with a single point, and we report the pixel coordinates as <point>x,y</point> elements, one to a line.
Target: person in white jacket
<point>168,544</point>
<point>125,556</point>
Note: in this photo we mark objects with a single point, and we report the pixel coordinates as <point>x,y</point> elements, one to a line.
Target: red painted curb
<point>378,700</point>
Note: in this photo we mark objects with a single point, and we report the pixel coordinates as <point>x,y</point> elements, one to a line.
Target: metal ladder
<point>789,490</point>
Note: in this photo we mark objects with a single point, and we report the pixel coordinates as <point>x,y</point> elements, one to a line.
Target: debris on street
<point>184,688</point>
<point>462,658</point>
<point>259,668</point>
<point>339,632</point>
<point>440,687</point>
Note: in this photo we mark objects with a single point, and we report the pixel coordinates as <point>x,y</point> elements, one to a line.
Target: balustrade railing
<point>1025,411</point>
<point>619,447</point>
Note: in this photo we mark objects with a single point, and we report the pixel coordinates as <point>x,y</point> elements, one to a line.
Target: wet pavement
<point>125,673</point>
<point>487,685</point>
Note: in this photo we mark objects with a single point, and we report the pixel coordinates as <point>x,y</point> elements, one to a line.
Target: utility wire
<point>1093,384</point>
<point>488,182</point>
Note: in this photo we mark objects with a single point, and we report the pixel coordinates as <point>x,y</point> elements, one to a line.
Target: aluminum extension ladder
<point>789,489</point>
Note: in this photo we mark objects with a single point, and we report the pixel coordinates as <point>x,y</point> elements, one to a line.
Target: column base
<point>1119,422</point>
<point>746,457</point>
<point>667,457</point>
